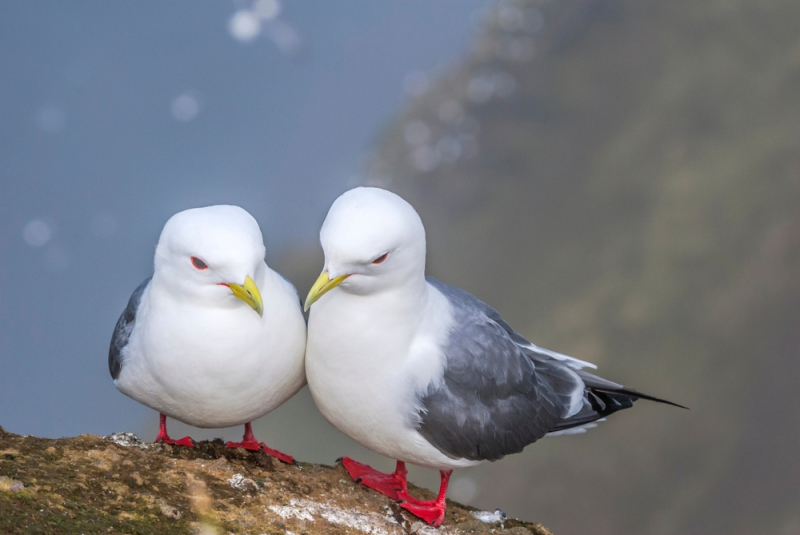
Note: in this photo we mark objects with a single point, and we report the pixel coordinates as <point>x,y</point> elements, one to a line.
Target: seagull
<point>421,371</point>
<point>197,342</point>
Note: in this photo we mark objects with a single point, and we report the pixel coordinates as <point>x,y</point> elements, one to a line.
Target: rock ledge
<point>119,484</point>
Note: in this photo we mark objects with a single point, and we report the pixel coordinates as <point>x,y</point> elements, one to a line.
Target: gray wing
<point>122,332</point>
<point>498,394</point>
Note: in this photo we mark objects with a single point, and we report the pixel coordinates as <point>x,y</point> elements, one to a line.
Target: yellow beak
<point>323,285</point>
<point>248,292</point>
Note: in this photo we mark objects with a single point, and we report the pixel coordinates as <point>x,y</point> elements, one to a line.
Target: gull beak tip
<point>323,285</point>
<point>248,292</point>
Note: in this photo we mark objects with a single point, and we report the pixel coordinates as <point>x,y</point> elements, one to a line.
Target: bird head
<point>373,241</point>
<point>212,256</point>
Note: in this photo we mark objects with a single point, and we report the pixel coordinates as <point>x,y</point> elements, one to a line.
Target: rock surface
<point>119,484</point>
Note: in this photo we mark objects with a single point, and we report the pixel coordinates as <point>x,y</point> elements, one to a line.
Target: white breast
<point>368,359</point>
<point>215,367</point>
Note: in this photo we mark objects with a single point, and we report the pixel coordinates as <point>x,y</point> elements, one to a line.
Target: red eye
<point>199,264</point>
<point>380,259</point>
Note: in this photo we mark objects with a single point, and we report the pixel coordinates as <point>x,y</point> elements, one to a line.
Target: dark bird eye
<point>380,259</point>
<point>199,264</point>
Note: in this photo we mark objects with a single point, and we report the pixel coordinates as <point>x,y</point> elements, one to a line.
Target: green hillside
<point>622,181</point>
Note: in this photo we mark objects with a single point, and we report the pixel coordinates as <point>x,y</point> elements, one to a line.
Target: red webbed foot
<point>250,443</point>
<point>288,459</point>
<point>393,485</point>
<point>253,445</point>
<point>185,441</point>
<point>431,512</point>
<point>163,437</point>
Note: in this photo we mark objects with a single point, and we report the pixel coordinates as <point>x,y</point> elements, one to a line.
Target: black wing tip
<point>666,402</point>
<point>659,400</point>
<point>638,395</point>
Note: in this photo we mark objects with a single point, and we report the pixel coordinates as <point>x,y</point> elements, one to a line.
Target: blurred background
<point>620,179</point>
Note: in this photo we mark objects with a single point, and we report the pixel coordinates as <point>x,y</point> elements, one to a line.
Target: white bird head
<point>373,241</point>
<point>210,255</point>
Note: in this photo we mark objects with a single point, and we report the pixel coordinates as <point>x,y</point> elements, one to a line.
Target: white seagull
<point>424,372</point>
<point>197,342</point>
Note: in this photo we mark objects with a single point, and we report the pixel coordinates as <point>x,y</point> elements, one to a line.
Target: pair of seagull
<point>406,365</point>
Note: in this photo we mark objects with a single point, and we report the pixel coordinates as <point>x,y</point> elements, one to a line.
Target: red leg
<point>250,443</point>
<point>431,512</point>
<point>163,437</point>
<point>392,485</point>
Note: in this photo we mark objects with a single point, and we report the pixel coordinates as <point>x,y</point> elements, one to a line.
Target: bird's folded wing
<point>496,397</point>
<point>122,332</point>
